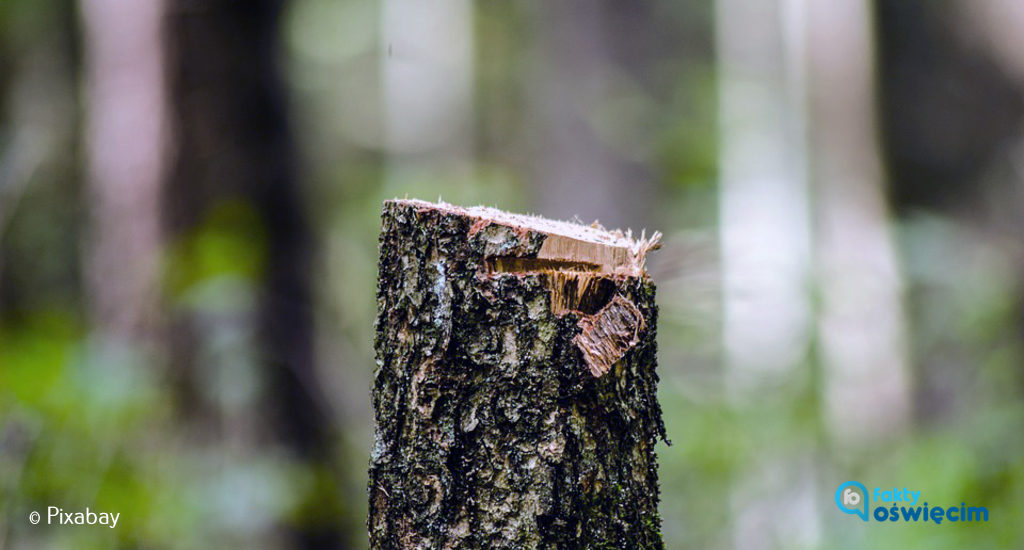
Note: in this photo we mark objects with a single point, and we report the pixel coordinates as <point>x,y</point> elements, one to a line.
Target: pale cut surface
<point>597,249</point>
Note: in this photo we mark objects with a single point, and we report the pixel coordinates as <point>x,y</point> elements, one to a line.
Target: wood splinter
<point>607,335</point>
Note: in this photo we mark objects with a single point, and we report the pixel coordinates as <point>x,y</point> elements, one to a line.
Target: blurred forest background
<point>189,207</point>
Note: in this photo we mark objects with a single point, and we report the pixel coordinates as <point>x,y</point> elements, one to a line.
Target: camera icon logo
<point>852,498</point>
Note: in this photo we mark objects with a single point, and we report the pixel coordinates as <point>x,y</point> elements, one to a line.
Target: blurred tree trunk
<point>861,324</point>
<point>232,143</point>
<point>427,76</point>
<point>1000,23</point>
<point>125,143</point>
<point>962,59</point>
<point>41,95</point>
<point>592,58</point>
<point>764,204</point>
<point>766,239</point>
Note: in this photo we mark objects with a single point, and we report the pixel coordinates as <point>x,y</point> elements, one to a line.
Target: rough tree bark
<point>515,391</point>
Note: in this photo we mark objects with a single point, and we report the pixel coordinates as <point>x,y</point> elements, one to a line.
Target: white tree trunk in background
<point>427,77</point>
<point>766,241</point>
<point>764,209</point>
<point>861,323</point>
<point>125,137</point>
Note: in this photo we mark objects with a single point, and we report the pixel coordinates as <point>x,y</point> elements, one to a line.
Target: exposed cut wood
<point>606,336</point>
<point>612,252</point>
<point>581,292</point>
<point>513,264</point>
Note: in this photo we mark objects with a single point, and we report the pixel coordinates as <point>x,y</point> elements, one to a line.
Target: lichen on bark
<point>491,429</point>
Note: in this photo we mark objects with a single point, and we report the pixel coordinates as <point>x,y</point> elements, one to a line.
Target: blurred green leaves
<point>229,243</point>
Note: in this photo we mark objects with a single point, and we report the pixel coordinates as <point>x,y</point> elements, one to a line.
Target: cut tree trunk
<point>515,390</point>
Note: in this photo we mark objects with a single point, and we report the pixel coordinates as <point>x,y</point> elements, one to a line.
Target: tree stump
<point>515,389</point>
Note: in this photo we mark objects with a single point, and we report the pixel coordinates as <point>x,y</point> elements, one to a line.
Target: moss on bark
<point>491,431</point>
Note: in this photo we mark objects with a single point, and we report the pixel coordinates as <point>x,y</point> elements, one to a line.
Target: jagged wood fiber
<point>491,431</point>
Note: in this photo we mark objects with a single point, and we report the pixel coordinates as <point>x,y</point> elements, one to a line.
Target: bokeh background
<point>189,203</point>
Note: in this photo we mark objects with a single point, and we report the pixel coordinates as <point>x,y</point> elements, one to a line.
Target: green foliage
<point>229,243</point>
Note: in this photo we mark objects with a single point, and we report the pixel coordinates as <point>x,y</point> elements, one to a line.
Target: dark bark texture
<point>492,431</point>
